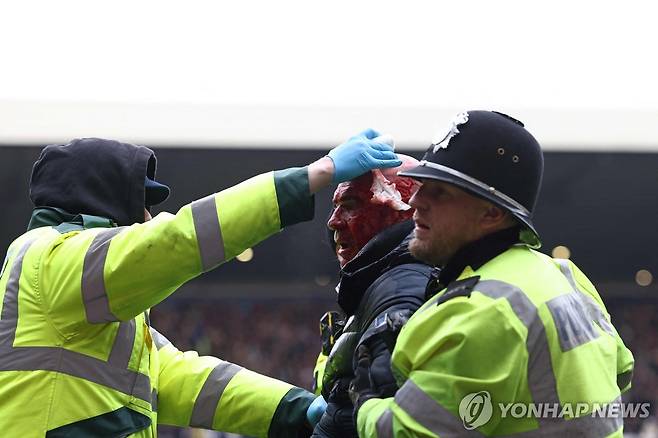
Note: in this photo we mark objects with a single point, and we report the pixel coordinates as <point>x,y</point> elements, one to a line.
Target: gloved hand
<point>362,153</point>
<point>362,387</point>
<point>315,411</point>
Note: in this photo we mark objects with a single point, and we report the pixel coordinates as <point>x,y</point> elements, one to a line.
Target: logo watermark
<point>476,409</point>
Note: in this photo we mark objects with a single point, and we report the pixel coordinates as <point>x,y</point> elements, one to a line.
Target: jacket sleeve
<point>443,367</point>
<point>625,360</point>
<point>123,271</point>
<point>401,289</point>
<point>206,392</point>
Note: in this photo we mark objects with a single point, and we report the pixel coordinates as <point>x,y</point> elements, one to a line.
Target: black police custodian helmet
<point>493,156</point>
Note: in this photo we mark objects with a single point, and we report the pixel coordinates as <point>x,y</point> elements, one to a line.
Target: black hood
<point>387,249</point>
<point>95,177</point>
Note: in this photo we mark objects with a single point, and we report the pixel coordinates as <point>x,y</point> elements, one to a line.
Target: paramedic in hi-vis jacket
<point>78,356</point>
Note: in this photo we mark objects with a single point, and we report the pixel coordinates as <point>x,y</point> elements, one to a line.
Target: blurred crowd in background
<point>280,338</point>
<point>637,323</point>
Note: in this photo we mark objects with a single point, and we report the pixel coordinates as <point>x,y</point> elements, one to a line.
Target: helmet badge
<point>443,139</point>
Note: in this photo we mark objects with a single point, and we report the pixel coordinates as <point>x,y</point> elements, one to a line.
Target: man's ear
<point>494,218</point>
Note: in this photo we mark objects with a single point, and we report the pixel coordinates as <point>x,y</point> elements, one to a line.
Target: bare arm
<point>320,174</point>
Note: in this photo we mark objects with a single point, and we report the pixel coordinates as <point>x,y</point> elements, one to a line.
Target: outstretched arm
<point>206,392</point>
<point>123,271</point>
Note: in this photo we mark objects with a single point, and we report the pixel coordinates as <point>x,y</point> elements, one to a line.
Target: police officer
<point>503,323</point>
<point>78,356</point>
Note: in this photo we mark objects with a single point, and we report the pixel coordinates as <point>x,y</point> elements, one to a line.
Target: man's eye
<point>348,205</point>
<point>439,193</point>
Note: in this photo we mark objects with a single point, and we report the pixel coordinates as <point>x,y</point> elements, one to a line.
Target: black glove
<point>362,387</point>
<point>337,422</point>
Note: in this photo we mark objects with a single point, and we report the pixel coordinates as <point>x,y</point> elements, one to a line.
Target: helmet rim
<point>433,171</point>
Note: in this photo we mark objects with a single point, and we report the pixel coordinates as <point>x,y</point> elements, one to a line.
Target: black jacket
<point>382,279</point>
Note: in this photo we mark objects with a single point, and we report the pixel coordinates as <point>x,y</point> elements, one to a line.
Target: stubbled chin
<point>420,250</point>
<point>414,244</point>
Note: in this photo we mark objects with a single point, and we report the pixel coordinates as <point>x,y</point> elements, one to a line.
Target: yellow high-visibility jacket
<point>78,356</point>
<point>522,328</point>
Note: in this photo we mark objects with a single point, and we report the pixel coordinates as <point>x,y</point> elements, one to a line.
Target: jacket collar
<point>387,249</point>
<point>478,253</point>
<point>54,217</point>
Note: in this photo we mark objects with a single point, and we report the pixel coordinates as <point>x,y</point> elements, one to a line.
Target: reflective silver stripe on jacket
<point>94,295</point>
<point>384,425</point>
<point>159,339</point>
<point>123,344</point>
<point>208,232</point>
<point>9,316</point>
<point>595,311</point>
<point>113,373</point>
<point>427,412</point>
<point>585,426</point>
<point>572,320</point>
<point>154,400</point>
<point>431,415</point>
<point>206,402</point>
<point>541,378</point>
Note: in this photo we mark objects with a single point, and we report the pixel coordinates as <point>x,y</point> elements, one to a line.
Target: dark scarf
<point>387,249</point>
<point>475,254</point>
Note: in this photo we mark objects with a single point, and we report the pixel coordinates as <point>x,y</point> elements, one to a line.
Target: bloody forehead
<point>406,186</point>
<point>358,188</point>
<point>361,188</point>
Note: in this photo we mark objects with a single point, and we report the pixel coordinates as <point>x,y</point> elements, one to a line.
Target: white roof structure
<point>580,75</point>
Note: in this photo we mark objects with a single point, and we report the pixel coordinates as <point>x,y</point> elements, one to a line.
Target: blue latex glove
<point>315,411</point>
<point>361,154</point>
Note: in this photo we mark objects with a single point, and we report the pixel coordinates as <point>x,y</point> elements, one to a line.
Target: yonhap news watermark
<point>477,408</point>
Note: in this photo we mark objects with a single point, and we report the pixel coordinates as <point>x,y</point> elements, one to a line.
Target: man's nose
<point>415,201</point>
<point>335,221</point>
